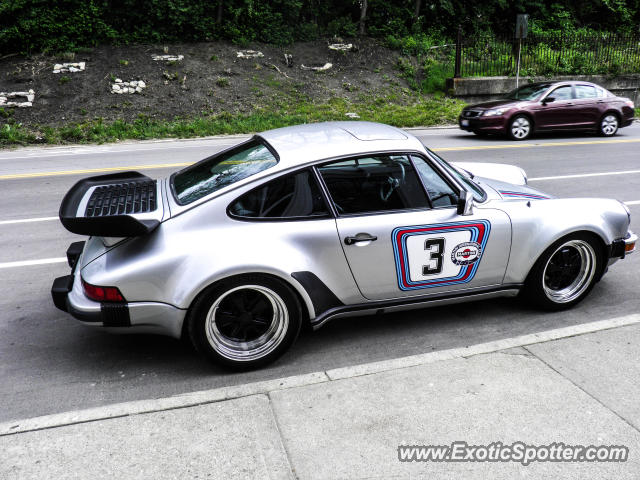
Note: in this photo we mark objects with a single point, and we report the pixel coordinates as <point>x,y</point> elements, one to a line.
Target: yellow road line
<point>529,145</point>
<point>183,164</point>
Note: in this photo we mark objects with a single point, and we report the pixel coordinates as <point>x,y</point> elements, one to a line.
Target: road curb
<point>337,374</point>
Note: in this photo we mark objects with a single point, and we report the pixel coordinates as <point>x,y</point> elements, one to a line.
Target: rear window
<point>221,170</point>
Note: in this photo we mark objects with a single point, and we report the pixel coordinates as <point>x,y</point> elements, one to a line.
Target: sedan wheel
<point>520,128</point>
<point>245,323</point>
<point>565,273</point>
<point>609,125</point>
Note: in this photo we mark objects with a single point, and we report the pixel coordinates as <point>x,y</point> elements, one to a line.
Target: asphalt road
<point>51,364</point>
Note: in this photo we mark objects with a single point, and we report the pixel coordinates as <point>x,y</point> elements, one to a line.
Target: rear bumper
<point>125,317</point>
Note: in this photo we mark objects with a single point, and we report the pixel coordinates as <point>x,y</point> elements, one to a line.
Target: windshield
<point>528,92</point>
<point>214,173</point>
<point>478,193</point>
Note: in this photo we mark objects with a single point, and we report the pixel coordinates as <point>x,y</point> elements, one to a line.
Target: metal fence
<point>548,54</point>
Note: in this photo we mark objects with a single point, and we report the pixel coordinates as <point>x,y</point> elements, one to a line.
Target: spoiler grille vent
<point>122,198</point>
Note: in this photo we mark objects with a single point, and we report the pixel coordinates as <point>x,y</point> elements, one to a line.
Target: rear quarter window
<point>290,196</point>
<point>221,170</point>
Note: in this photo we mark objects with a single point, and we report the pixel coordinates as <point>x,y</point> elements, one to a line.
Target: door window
<point>374,184</point>
<point>562,93</point>
<point>586,91</point>
<point>295,195</point>
<point>440,192</point>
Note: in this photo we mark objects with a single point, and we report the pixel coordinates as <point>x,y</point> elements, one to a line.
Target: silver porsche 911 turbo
<point>314,222</point>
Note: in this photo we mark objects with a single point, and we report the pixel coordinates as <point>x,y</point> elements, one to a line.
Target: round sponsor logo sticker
<point>466,253</point>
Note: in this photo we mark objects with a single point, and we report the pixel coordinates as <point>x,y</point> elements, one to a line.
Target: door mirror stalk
<point>465,203</point>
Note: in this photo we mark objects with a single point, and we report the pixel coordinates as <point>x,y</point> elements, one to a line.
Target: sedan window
<point>296,195</point>
<point>214,173</point>
<point>528,92</point>
<point>562,93</point>
<point>586,91</point>
<point>374,184</point>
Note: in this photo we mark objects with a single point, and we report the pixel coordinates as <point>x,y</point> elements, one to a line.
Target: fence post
<point>458,53</point>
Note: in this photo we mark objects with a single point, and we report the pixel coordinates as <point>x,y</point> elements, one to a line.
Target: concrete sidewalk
<point>578,386</point>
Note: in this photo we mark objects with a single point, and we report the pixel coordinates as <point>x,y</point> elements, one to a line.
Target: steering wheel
<point>386,189</point>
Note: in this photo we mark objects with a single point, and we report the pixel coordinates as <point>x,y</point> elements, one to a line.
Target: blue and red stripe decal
<point>523,195</point>
<point>479,230</point>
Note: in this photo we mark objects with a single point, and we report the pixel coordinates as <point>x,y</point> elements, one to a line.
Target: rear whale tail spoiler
<point>122,204</point>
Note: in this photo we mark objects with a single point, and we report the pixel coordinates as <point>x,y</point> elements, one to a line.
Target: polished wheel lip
<point>262,346</point>
<point>609,125</point>
<point>583,278</point>
<point>520,127</point>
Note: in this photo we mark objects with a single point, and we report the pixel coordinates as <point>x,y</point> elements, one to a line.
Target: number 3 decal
<point>440,254</point>
<point>435,247</point>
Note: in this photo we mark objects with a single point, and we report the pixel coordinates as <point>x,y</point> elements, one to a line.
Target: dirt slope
<point>210,79</point>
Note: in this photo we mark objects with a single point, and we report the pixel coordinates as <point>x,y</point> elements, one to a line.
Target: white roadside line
<point>585,175</point>
<point>263,387</point>
<point>28,220</point>
<point>29,263</point>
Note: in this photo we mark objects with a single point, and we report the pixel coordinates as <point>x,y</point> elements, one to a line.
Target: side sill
<point>385,306</point>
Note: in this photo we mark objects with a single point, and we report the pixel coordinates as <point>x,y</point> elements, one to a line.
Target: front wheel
<point>565,273</point>
<point>520,127</point>
<point>245,322</point>
<point>609,125</point>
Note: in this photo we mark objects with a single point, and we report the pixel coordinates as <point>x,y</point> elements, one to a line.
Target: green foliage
<point>28,26</point>
<point>342,26</point>
<point>285,111</point>
<point>64,79</point>
<point>222,81</point>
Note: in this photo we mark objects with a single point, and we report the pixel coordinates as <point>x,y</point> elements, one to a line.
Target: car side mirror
<point>465,203</point>
<point>548,100</point>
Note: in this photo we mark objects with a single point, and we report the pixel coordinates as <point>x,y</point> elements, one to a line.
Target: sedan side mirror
<point>548,100</point>
<point>465,203</point>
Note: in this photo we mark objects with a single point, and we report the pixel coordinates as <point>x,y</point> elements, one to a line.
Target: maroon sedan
<point>549,106</point>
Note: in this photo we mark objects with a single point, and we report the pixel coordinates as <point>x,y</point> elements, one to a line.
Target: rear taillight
<point>102,294</point>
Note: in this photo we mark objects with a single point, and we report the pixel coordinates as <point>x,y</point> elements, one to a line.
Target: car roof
<point>302,144</point>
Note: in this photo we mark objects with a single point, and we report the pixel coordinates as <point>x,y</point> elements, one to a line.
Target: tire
<point>565,272</point>
<point>245,322</point>
<point>609,125</point>
<point>520,127</point>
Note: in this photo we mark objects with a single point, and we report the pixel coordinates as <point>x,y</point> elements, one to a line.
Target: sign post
<point>522,26</point>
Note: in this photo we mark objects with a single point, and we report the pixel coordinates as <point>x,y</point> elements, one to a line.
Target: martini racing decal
<point>438,255</point>
<point>466,253</point>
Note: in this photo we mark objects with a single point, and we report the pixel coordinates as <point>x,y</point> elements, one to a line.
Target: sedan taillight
<point>102,294</point>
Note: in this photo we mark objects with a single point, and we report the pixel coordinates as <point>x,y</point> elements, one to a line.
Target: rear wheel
<point>565,273</point>
<point>245,322</point>
<point>609,125</point>
<point>520,127</point>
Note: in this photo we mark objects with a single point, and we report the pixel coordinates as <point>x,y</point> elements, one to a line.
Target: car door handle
<point>569,103</point>
<point>360,237</point>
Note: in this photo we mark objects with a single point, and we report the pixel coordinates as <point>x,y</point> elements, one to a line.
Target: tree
<point>363,16</point>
